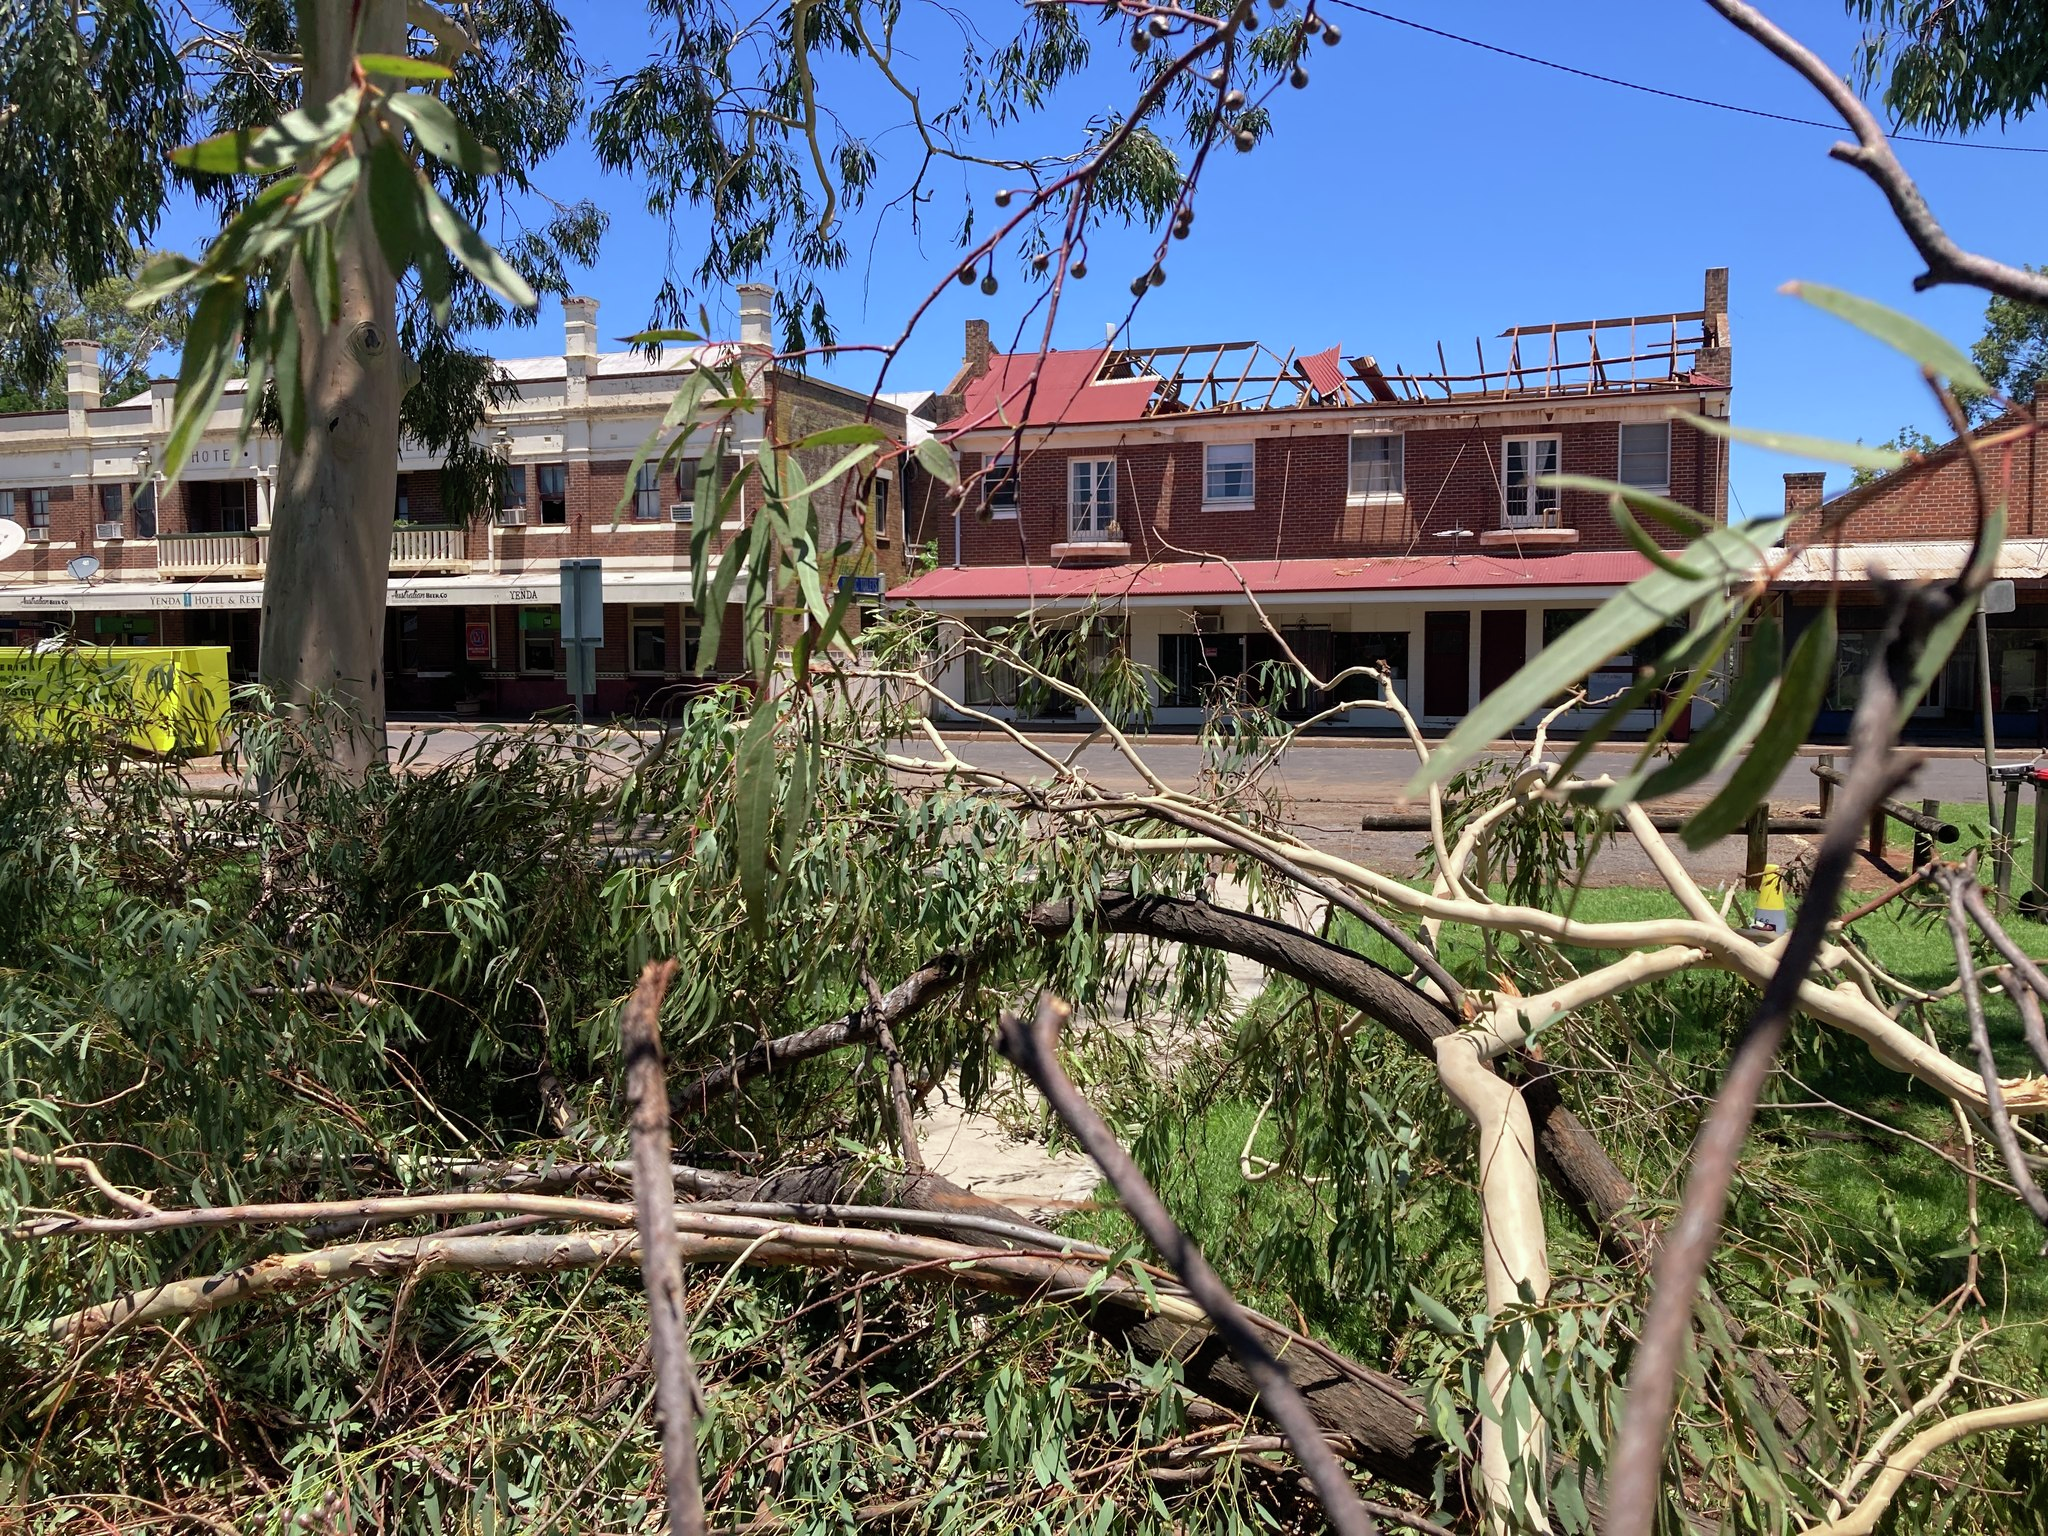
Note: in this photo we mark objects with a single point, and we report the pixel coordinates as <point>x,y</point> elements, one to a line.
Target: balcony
<point>439,548</point>
<point>415,550</point>
<point>209,554</point>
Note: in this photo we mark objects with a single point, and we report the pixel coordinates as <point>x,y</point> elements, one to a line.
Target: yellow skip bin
<point>169,698</point>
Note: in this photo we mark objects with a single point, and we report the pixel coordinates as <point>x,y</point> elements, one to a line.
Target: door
<point>1503,646</point>
<point>1446,662</point>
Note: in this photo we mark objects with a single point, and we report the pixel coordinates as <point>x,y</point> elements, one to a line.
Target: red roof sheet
<point>1065,392</point>
<point>1322,372</point>
<point>1206,579</point>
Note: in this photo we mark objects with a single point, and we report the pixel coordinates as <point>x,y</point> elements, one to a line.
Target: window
<point>234,506</point>
<point>408,640</point>
<point>989,681</point>
<point>511,485</point>
<point>647,640</point>
<point>686,489</point>
<point>881,507</point>
<point>1091,499</point>
<point>540,633</point>
<point>401,503</point>
<point>1227,472</point>
<point>1524,461</point>
<point>647,494</point>
<point>7,505</point>
<point>110,503</point>
<point>554,493</point>
<point>1378,464</point>
<point>1646,455</point>
<point>999,487</point>
<point>692,634</point>
<point>145,510</point>
<point>39,507</point>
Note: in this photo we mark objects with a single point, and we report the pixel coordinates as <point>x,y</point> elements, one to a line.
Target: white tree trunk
<point>1516,1255</point>
<point>330,542</point>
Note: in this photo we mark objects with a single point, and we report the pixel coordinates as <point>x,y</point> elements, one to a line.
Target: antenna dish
<point>12,536</point>
<point>84,568</point>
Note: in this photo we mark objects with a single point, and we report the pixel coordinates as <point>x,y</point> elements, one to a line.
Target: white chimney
<point>81,378</point>
<point>756,331</point>
<point>579,345</point>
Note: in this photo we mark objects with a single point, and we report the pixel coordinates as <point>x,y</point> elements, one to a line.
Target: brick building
<point>473,615</point>
<point>1378,514</point>
<point>1919,521</point>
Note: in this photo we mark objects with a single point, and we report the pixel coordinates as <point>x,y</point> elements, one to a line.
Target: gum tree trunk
<point>330,540</point>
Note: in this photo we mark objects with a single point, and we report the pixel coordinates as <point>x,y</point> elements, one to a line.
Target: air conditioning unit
<point>106,530</point>
<point>36,535</point>
<point>681,511</point>
<point>1208,621</point>
<point>511,517</point>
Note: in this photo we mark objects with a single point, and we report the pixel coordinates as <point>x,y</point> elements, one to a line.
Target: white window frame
<point>1622,429</point>
<point>647,506</point>
<point>1536,515</point>
<point>39,506</point>
<point>1399,490</point>
<point>1001,511</point>
<point>7,503</point>
<point>1091,507</point>
<point>1244,498</point>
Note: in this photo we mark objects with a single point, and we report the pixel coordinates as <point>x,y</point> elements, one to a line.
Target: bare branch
<point>1032,1048</point>
<point>1638,1458</point>
<point>1872,154</point>
<point>661,1266</point>
<point>1864,1518</point>
<point>1954,881</point>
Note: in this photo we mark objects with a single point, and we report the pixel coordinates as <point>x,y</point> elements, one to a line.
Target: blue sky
<point>1420,190</point>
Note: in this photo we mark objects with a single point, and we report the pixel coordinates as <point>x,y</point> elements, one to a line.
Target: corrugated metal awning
<point>1826,564</point>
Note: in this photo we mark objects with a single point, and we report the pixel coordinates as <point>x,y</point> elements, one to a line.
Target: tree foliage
<point>130,337</point>
<point>1948,66</point>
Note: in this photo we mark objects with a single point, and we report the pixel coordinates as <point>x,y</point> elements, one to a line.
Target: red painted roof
<point>1005,396</point>
<point>1213,579</point>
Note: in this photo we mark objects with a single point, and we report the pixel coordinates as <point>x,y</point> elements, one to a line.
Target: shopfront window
<point>540,637</point>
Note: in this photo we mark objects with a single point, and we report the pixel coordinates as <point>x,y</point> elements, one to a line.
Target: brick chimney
<point>756,328</point>
<point>579,346</point>
<point>975,361</point>
<point>1716,356</point>
<point>1803,492</point>
<point>81,379</point>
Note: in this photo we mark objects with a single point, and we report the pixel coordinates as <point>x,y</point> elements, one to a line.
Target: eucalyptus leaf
<point>1926,347</point>
<point>441,134</point>
<point>936,460</point>
<point>1675,515</point>
<point>1808,671</point>
<point>851,432</point>
<point>396,66</point>
<point>754,779</point>
<point>1723,557</point>
<point>203,371</point>
<point>1826,448</point>
<point>476,253</point>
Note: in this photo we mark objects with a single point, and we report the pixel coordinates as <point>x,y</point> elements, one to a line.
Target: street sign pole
<point>582,628</point>
<point>1997,597</point>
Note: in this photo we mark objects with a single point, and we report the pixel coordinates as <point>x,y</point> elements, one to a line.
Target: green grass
<point>1831,1189</point>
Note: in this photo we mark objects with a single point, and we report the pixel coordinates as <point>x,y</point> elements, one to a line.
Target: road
<point>1326,785</point>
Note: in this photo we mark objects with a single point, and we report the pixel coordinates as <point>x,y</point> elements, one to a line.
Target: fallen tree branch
<point>676,1393</point>
<point>859,1027</point>
<point>1899,1466</point>
<point>92,1173</point>
<point>1032,1049</point>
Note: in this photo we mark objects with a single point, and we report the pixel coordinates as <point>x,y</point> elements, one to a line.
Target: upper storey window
<point>999,487</point>
<point>1091,499</point>
<point>1646,455</point>
<point>1227,473</point>
<point>1525,461</point>
<point>1378,464</point>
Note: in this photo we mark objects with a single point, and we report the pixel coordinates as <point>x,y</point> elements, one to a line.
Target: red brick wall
<point>1937,500</point>
<point>1301,484</point>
